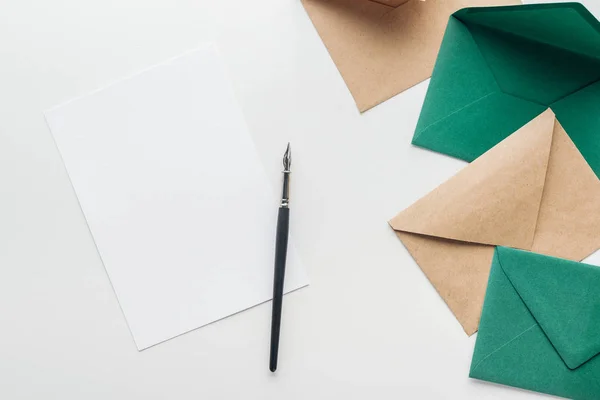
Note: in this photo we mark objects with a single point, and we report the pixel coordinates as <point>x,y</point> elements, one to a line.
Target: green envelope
<point>540,325</point>
<point>500,67</point>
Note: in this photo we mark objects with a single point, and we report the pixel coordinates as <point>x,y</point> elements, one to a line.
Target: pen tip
<point>287,158</point>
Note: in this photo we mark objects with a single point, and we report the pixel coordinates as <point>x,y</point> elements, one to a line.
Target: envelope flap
<point>569,218</point>
<point>568,26</point>
<point>564,298</point>
<point>541,54</point>
<point>494,200</point>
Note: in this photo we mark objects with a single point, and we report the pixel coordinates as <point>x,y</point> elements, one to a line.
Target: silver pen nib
<point>287,159</point>
<point>287,165</point>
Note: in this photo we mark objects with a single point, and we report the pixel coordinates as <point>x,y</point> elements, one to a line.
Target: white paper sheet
<point>175,196</point>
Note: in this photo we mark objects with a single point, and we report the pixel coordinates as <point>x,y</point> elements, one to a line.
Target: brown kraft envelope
<point>532,191</point>
<point>382,50</point>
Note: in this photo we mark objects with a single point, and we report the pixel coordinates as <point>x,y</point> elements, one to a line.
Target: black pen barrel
<point>283,222</point>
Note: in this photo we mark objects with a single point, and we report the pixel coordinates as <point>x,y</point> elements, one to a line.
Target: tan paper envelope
<point>532,191</point>
<point>381,50</point>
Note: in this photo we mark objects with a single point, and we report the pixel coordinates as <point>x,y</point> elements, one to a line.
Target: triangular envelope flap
<point>569,218</point>
<point>531,70</point>
<point>494,200</point>
<point>540,54</point>
<point>564,298</point>
<point>458,271</point>
<point>568,26</point>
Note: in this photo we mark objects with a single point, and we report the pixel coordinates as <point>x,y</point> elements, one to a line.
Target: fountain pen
<point>281,243</point>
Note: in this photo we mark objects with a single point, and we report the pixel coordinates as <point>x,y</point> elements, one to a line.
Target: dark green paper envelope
<point>500,67</point>
<point>540,325</point>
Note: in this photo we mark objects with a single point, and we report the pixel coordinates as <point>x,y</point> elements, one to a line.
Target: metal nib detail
<point>287,165</point>
<point>287,159</point>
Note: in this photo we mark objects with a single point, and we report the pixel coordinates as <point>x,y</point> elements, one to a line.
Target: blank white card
<point>175,196</point>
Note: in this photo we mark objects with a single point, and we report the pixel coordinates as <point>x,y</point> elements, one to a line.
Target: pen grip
<point>283,222</point>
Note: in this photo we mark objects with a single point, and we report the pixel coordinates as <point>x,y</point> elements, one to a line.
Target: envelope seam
<point>566,96</point>
<point>451,114</point>
<point>504,345</point>
<point>484,58</point>
<point>385,5</point>
<point>537,220</point>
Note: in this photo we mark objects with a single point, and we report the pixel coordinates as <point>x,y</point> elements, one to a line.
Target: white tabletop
<point>370,326</point>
